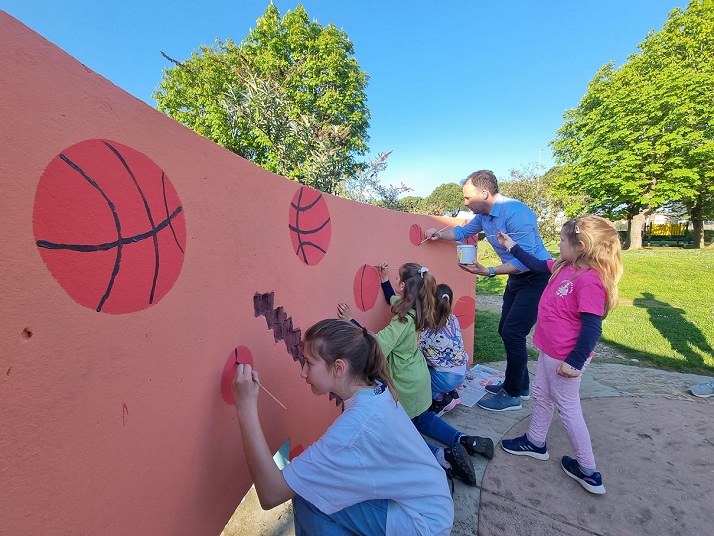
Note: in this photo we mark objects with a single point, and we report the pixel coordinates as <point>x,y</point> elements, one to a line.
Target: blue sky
<point>454,86</point>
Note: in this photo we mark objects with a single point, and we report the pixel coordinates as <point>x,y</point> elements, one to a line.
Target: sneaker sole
<point>597,490</point>
<point>532,454</point>
<point>451,405</point>
<point>509,408</point>
<point>703,396</point>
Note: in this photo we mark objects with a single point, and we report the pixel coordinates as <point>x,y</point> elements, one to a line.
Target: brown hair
<point>419,288</point>
<point>485,179</point>
<point>444,299</point>
<point>601,252</point>
<point>333,339</point>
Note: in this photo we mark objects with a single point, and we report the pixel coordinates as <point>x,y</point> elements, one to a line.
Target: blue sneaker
<point>521,446</point>
<point>592,483</point>
<point>496,387</point>
<point>501,401</point>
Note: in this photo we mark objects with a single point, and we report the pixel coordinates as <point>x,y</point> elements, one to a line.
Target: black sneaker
<point>478,445</point>
<point>439,406</point>
<point>461,466</point>
<point>592,483</point>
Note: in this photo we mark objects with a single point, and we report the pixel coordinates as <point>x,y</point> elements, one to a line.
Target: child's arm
<point>590,332</point>
<point>532,263</point>
<point>269,482</point>
<point>383,271</point>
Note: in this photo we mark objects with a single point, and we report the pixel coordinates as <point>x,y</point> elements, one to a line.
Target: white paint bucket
<point>466,253</point>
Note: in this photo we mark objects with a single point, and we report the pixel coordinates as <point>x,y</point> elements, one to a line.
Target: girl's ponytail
<point>444,297</point>
<point>419,289</point>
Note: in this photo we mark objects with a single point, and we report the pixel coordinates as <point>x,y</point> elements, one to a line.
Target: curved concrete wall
<point>138,260</point>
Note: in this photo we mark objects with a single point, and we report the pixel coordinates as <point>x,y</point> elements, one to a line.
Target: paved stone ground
<point>653,442</point>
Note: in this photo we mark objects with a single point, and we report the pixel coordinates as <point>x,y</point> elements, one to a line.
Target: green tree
<point>446,199</point>
<point>642,135</point>
<point>366,187</point>
<point>291,98</point>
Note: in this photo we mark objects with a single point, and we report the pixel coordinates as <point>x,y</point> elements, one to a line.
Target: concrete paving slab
<point>656,459</point>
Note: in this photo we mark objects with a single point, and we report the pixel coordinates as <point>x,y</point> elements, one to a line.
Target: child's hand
<point>343,311</point>
<point>505,240</point>
<point>567,371</point>
<point>383,271</point>
<point>245,388</point>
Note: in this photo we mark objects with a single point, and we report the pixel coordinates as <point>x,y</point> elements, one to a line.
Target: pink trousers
<point>550,391</point>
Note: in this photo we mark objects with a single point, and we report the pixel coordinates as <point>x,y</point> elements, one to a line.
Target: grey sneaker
<point>496,387</point>
<point>703,390</point>
<point>501,401</point>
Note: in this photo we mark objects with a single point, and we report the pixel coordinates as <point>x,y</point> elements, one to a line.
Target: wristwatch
<point>491,272</point>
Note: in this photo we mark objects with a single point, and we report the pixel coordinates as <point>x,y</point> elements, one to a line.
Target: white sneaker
<point>703,390</point>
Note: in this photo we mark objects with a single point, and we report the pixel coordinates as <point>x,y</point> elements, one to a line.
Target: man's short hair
<point>485,179</point>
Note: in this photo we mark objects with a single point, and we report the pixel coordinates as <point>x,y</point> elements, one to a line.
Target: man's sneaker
<point>496,387</point>
<point>478,445</point>
<point>520,446</point>
<point>461,466</point>
<point>592,483</point>
<point>501,401</point>
<point>703,390</point>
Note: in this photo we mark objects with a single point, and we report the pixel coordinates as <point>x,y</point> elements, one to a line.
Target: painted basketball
<point>309,224</point>
<point>416,235</point>
<point>241,355</point>
<point>110,226</point>
<point>465,310</point>
<point>366,287</point>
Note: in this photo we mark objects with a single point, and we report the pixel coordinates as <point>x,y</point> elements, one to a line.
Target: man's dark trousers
<point>518,316</point>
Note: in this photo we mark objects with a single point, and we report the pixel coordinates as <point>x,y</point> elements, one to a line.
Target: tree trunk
<point>635,224</point>
<point>697,224</point>
<point>697,234</point>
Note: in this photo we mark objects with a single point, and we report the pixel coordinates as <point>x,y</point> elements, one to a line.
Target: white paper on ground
<point>475,382</point>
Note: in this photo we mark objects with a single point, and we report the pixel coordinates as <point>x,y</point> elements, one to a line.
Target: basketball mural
<point>309,225</point>
<point>109,226</point>
<point>139,263</point>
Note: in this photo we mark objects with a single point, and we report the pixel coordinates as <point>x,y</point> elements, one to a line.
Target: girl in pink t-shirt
<point>581,291</point>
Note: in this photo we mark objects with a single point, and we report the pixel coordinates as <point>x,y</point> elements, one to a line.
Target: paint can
<point>466,253</point>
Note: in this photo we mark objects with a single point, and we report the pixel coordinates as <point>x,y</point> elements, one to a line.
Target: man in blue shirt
<point>495,212</point>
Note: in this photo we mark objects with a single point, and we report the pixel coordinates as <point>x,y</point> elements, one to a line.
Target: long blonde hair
<point>601,252</point>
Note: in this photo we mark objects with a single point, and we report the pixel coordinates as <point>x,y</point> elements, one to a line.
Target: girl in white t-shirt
<point>371,472</point>
<point>581,291</point>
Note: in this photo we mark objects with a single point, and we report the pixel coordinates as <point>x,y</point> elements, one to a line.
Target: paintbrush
<point>437,232</point>
<point>266,390</point>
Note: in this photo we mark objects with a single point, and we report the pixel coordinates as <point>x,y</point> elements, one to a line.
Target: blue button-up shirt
<point>513,218</point>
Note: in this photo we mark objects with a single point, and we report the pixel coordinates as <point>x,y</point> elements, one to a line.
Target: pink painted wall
<point>132,250</point>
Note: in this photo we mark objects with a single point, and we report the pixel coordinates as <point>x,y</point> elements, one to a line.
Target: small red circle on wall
<point>309,224</point>
<point>464,310</point>
<point>416,235</point>
<point>366,287</point>
<point>241,355</point>
<point>110,226</point>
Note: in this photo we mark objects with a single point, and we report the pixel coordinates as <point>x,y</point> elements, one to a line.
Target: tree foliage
<point>290,98</point>
<point>643,135</point>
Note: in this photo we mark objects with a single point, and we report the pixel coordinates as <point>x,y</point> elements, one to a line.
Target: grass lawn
<point>665,316</point>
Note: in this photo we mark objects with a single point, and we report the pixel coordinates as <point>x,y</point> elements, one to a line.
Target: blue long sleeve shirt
<point>514,218</point>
